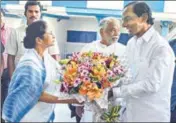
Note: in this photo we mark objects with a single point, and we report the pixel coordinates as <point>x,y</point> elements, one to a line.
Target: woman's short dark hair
<point>32,3</point>
<point>34,30</point>
<point>140,8</point>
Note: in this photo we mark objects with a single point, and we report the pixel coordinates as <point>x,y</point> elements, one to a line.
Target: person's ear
<point>38,40</point>
<point>144,17</point>
<point>101,32</point>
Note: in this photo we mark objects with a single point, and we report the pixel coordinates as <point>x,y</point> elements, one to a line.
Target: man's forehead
<point>34,7</point>
<point>113,24</point>
<point>128,11</point>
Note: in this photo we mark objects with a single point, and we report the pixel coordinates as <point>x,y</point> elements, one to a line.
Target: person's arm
<point>11,49</point>
<point>11,64</point>
<point>2,65</point>
<point>48,98</point>
<point>161,59</point>
<point>2,59</point>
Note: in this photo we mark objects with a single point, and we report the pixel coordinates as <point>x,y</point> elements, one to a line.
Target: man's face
<point>131,21</point>
<point>111,33</point>
<point>33,14</point>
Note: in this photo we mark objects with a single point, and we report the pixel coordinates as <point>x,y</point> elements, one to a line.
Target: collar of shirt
<point>147,35</point>
<point>105,46</point>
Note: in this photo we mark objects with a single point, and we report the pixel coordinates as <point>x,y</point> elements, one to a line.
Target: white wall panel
<point>105,4</point>
<point>170,6</point>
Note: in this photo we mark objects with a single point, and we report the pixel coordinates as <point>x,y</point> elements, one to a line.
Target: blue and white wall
<point>156,5</point>
<point>76,22</point>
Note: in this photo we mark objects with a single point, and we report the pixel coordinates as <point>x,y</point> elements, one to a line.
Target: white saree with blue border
<point>31,77</point>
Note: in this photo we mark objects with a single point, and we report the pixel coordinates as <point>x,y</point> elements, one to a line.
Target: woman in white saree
<point>31,95</point>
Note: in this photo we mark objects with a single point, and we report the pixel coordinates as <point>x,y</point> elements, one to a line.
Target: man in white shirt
<point>152,64</point>
<point>14,46</point>
<point>109,29</point>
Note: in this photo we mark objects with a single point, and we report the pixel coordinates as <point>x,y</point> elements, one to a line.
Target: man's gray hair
<point>105,21</point>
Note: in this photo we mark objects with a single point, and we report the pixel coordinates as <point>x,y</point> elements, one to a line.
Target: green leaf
<point>64,61</point>
<point>57,81</point>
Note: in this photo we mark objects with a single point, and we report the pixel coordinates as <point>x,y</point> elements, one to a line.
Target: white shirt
<point>152,63</point>
<point>95,46</point>
<point>15,46</point>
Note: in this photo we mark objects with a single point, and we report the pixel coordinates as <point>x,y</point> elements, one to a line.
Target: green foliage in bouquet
<point>64,61</point>
<point>112,115</point>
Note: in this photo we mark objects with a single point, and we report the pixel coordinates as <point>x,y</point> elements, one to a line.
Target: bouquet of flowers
<point>89,74</point>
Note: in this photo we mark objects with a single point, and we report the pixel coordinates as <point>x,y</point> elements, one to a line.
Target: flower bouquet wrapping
<point>88,76</point>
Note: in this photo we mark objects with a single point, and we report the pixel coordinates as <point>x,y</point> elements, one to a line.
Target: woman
<point>31,90</point>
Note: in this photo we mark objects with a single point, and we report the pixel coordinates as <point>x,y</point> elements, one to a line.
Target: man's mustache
<point>33,17</point>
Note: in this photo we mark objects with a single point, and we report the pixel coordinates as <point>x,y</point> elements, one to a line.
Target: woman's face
<point>48,39</point>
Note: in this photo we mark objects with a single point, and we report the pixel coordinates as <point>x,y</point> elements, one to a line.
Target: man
<point>109,29</point>
<point>152,64</point>
<point>15,48</point>
<point>4,35</point>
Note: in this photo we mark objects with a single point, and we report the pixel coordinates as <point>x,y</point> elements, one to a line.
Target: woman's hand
<point>48,98</point>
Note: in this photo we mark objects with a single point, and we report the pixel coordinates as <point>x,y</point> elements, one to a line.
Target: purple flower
<point>118,70</point>
<point>77,82</point>
<point>84,73</point>
<point>110,73</point>
<point>86,79</point>
<point>103,63</point>
<point>64,87</point>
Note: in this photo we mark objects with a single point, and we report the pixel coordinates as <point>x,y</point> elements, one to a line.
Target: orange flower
<point>83,90</point>
<point>68,80</point>
<point>106,84</point>
<point>94,92</point>
<point>85,87</point>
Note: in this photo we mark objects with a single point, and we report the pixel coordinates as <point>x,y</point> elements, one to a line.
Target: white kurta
<point>116,48</point>
<point>42,111</point>
<point>152,64</point>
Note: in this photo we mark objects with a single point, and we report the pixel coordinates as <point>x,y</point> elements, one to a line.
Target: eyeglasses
<point>128,18</point>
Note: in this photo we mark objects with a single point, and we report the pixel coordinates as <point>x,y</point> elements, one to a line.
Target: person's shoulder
<point>93,43</point>
<point>21,27</point>
<point>120,45</point>
<point>131,40</point>
<point>89,46</point>
<point>159,39</point>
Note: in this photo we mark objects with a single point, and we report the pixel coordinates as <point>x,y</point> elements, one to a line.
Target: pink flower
<point>84,73</point>
<point>86,79</point>
<point>77,82</point>
<point>118,70</point>
<point>110,73</point>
